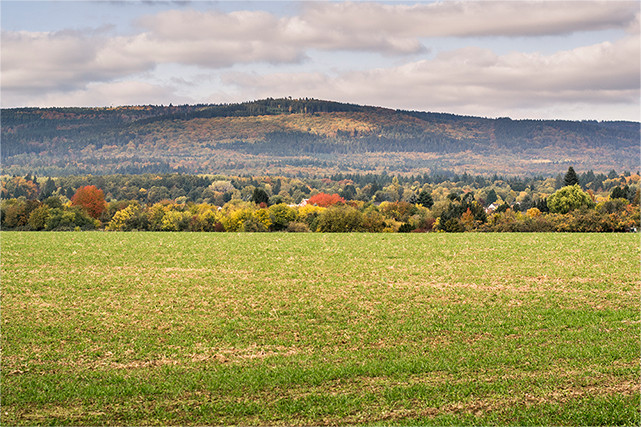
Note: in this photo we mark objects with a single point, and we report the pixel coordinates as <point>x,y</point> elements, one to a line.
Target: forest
<point>305,138</point>
<point>570,201</point>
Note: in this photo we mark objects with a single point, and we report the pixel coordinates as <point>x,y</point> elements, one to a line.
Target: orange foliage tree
<point>324,200</point>
<point>91,199</point>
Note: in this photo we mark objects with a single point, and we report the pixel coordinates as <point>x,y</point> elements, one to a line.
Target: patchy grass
<point>324,329</point>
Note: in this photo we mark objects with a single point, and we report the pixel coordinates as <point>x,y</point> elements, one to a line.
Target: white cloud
<point>217,40</point>
<point>32,62</point>
<point>472,18</point>
<point>266,37</point>
<point>475,81</point>
<point>92,68</point>
<point>103,94</point>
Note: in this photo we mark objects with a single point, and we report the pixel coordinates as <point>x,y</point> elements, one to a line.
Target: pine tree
<point>491,197</point>
<point>260,196</point>
<point>570,177</point>
<point>47,189</point>
<point>425,199</point>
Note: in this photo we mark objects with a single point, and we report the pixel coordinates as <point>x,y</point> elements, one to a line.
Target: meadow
<point>108,328</point>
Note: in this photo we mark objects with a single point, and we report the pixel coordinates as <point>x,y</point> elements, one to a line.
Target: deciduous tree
<point>568,199</point>
<point>324,200</point>
<point>91,199</point>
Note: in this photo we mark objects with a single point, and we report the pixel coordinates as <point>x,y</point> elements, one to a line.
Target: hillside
<point>308,137</point>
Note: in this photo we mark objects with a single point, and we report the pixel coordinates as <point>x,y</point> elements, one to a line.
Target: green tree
<point>16,212</point>
<point>613,205</point>
<point>340,219</point>
<point>281,215</point>
<point>349,192</point>
<point>373,220</point>
<point>69,219</point>
<point>491,197</point>
<point>38,217</point>
<point>622,193</point>
<point>157,193</point>
<point>569,198</point>
<point>47,189</point>
<point>53,202</point>
<point>425,199</point>
<point>570,177</point>
<point>260,196</point>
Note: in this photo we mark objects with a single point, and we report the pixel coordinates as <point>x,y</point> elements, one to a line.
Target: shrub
<point>129,218</point>
<point>69,219</point>
<point>297,227</point>
<point>340,219</point>
<point>281,215</point>
<point>38,217</point>
<point>405,228</point>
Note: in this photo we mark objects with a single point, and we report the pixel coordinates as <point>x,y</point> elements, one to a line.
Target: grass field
<point>407,329</point>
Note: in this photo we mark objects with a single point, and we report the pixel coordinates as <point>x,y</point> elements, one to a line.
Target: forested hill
<point>303,137</point>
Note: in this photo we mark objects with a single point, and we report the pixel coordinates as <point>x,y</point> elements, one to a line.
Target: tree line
<point>340,203</point>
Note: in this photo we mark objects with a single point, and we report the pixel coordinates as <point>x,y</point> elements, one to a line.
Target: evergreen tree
<point>425,199</point>
<point>260,196</point>
<point>622,193</point>
<point>276,187</point>
<point>570,177</point>
<point>542,205</point>
<point>491,197</point>
<point>47,189</point>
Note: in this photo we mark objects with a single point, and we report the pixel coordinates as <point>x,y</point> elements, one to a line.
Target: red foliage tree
<point>91,199</point>
<point>324,200</point>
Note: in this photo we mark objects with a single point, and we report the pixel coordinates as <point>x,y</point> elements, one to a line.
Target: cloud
<point>472,18</point>
<point>33,62</point>
<point>102,94</point>
<point>374,27</point>
<point>474,81</point>
<point>217,40</point>
<point>211,39</point>
<point>90,67</point>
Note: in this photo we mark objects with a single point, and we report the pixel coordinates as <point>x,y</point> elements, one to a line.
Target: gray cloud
<point>104,94</point>
<point>218,40</point>
<point>474,80</point>
<point>88,65</point>
<point>33,62</point>
<point>473,18</point>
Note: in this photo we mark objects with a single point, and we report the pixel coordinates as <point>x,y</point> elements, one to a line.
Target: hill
<point>303,137</point>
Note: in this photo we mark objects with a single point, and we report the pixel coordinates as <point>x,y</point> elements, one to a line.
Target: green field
<point>323,329</point>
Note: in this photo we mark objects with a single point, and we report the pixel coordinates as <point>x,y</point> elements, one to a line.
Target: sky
<point>575,60</point>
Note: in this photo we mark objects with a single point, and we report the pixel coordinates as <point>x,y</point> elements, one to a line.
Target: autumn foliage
<point>324,200</point>
<point>91,199</point>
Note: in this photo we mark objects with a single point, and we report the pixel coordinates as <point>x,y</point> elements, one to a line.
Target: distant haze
<point>545,59</point>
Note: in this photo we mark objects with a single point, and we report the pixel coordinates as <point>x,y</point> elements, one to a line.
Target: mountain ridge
<point>303,136</point>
